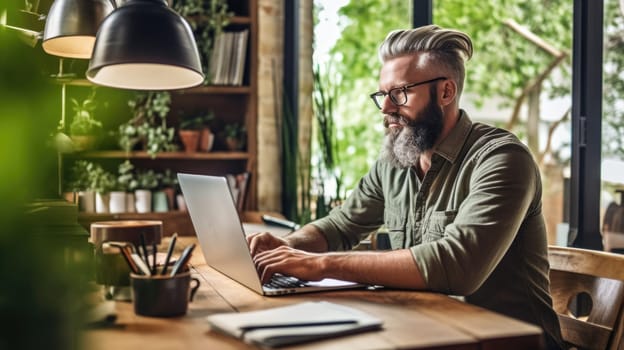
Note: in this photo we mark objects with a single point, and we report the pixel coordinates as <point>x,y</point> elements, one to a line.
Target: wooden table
<point>412,320</point>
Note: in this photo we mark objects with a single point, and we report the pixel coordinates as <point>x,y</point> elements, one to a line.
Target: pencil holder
<point>163,295</point>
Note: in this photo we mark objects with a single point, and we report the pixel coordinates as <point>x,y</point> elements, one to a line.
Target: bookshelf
<point>230,103</point>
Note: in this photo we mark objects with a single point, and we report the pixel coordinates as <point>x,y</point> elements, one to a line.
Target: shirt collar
<point>450,147</point>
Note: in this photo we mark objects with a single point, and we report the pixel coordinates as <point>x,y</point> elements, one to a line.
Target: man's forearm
<point>392,269</point>
<point>308,238</point>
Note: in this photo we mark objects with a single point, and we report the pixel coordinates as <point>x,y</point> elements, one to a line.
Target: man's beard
<point>403,146</point>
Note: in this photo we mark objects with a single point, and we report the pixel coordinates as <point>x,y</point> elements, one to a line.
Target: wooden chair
<point>594,274</point>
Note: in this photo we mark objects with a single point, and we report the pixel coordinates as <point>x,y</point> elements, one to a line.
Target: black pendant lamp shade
<point>144,45</point>
<point>71,26</point>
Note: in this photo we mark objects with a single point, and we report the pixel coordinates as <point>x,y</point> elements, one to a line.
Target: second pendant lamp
<point>71,26</point>
<point>144,45</point>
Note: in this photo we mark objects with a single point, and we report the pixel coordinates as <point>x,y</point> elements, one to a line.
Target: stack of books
<point>227,60</point>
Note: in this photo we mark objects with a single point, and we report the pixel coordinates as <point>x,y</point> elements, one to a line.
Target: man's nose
<point>387,106</point>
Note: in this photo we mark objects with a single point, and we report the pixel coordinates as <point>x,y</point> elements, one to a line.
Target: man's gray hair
<point>447,48</point>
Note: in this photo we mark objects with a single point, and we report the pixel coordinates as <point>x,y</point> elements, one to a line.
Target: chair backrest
<point>599,275</point>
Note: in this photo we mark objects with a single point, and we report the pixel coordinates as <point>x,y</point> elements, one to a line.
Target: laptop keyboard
<point>280,281</point>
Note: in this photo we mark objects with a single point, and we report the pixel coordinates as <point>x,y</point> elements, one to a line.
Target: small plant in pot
<point>122,200</point>
<point>84,126</point>
<point>190,131</point>
<point>234,136</point>
<point>102,183</point>
<point>196,126</point>
<point>78,184</point>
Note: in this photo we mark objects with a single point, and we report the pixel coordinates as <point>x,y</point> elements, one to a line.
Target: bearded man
<point>460,201</point>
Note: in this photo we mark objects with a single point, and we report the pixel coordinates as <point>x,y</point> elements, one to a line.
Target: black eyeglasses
<point>398,95</point>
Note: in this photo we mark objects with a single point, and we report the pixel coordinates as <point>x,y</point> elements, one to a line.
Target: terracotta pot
<point>206,140</point>
<point>190,139</point>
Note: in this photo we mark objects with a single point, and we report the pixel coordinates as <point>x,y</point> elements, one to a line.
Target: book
<point>293,324</point>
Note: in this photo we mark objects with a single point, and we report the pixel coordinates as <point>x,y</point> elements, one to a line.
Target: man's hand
<point>289,261</point>
<point>263,241</point>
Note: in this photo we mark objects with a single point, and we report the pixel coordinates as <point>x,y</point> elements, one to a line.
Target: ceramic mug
<point>162,295</point>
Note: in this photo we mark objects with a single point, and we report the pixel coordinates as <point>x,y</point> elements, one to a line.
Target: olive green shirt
<point>474,223</point>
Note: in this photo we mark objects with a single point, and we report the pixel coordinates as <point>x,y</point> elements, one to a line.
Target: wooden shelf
<point>165,155</point>
<point>230,104</point>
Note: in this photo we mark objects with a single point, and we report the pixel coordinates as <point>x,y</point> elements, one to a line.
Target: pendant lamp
<point>144,45</point>
<point>71,26</point>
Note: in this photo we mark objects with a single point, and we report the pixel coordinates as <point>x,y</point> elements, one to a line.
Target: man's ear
<point>447,92</point>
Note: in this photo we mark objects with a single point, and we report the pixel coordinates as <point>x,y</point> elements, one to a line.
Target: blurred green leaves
<point>39,292</point>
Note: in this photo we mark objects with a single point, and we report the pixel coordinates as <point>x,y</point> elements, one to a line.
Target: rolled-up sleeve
<point>360,214</point>
<point>502,188</point>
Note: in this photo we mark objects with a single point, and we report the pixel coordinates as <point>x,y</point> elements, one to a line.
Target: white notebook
<point>293,324</point>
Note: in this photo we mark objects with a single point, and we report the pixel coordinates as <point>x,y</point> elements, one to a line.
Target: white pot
<point>181,203</point>
<point>130,203</point>
<point>102,203</point>
<point>143,201</point>
<point>86,201</point>
<point>118,202</point>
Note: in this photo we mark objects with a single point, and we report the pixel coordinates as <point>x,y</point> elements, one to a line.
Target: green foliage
<point>235,131</point>
<point>196,122</point>
<point>126,179</point>
<point>327,168</point>
<point>149,123</point>
<point>86,175</point>
<point>147,179</point>
<point>83,122</point>
<point>168,179</point>
<point>354,75</point>
<point>503,61</point>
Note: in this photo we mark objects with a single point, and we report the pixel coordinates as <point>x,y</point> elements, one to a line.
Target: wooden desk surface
<point>412,320</point>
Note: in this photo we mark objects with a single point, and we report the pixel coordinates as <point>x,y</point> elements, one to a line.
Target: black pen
<point>174,238</point>
<point>154,258</point>
<point>184,258</point>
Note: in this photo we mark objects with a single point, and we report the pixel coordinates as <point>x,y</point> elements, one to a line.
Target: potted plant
<point>122,200</point>
<point>101,182</point>
<point>148,124</point>
<point>234,136</point>
<point>84,126</point>
<point>190,130</point>
<point>147,180</point>
<point>80,184</point>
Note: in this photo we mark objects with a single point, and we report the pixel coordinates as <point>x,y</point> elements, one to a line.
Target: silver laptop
<point>222,238</point>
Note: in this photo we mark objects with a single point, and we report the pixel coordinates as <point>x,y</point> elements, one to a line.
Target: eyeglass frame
<point>403,88</point>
